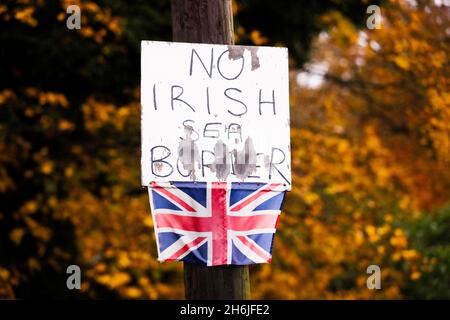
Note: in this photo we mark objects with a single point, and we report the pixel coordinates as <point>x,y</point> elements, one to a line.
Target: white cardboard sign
<point>214,113</point>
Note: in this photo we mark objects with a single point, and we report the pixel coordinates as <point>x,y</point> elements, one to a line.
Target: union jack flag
<point>216,223</point>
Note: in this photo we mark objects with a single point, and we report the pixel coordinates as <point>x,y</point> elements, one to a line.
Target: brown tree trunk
<point>208,21</point>
<point>202,21</point>
<point>220,282</point>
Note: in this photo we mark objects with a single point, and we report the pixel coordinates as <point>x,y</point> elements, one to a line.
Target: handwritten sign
<point>214,113</point>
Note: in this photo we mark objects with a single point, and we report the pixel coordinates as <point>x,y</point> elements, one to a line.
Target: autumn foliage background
<point>370,118</point>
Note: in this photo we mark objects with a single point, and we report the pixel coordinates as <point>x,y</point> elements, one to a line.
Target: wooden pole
<point>209,21</point>
<point>202,21</point>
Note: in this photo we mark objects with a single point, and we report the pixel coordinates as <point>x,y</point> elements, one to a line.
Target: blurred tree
<point>370,152</point>
<point>66,98</point>
<point>431,236</point>
<point>292,23</point>
<point>370,149</point>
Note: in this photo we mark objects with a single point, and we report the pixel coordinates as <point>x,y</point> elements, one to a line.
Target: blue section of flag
<point>162,203</point>
<point>198,256</point>
<point>195,190</point>
<point>239,258</point>
<point>241,190</point>
<point>264,240</point>
<point>166,239</point>
<point>274,202</point>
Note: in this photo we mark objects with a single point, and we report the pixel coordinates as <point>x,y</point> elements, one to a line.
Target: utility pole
<point>209,21</point>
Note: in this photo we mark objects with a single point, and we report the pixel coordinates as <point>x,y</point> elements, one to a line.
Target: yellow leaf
<point>415,275</point>
<point>402,62</point>
<point>16,235</point>
<point>148,221</point>
<point>47,167</point>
